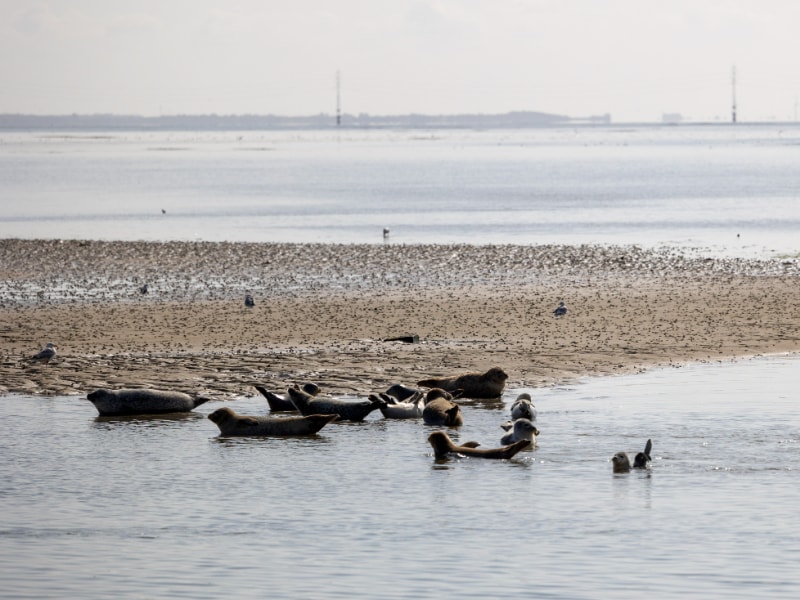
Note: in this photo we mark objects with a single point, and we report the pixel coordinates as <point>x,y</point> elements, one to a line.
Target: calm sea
<point>162,508</point>
<point>724,189</point>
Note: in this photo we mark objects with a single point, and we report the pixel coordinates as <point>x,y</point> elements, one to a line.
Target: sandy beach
<point>323,313</point>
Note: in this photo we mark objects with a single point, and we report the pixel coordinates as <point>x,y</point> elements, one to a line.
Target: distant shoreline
<point>215,122</point>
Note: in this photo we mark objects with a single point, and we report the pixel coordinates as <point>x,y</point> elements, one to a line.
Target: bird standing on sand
<point>560,310</point>
<point>46,354</point>
<point>248,301</point>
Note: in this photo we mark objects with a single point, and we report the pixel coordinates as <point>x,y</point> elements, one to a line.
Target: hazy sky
<point>635,59</point>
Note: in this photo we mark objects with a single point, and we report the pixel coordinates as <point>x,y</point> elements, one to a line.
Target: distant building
<point>672,118</point>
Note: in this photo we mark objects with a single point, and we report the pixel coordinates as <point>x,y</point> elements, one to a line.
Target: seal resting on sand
<point>442,411</point>
<point>519,429</point>
<point>523,408</point>
<point>443,445</point>
<point>474,385</point>
<point>347,410</point>
<point>410,409</point>
<point>232,424</point>
<point>279,403</point>
<point>142,402</point>
<point>621,462</point>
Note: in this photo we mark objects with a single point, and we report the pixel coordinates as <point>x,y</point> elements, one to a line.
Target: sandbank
<point>323,313</point>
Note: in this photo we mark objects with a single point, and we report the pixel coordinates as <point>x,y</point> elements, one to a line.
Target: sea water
<point>724,189</point>
<point>162,507</point>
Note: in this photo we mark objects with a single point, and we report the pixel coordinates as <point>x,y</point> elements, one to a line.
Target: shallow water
<point>162,507</point>
<point>725,190</point>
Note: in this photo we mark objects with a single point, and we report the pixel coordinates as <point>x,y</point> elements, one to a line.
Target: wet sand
<point>323,312</point>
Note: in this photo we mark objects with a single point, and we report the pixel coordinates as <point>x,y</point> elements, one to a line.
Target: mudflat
<point>324,313</point>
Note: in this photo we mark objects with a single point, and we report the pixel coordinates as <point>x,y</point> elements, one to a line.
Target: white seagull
<point>46,354</point>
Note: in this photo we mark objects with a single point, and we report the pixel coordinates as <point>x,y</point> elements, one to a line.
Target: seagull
<point>248,301</point>
<point>561,310</point>
<point>46,354</point>
<point>385,232</point>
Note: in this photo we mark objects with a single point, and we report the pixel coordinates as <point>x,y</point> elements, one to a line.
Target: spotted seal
<point>347,410</point>
<point>519,429</point>
<point>442,446</point>
<point>442,411</point>
<point>281,404</point>
<point>401,392</point>
<point>473,385</point>
<point>621,462</point>
<point>523,408</point>
<point>409,409</point>
<point>142,402</point>
<point>232,424</point>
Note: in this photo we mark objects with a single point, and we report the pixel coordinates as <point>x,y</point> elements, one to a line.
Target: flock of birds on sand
<point>434,401</point>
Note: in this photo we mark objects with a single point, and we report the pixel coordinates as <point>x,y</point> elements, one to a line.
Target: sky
<point>632,59</point>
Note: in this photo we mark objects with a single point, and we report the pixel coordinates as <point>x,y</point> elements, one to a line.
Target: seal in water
<point>523,408</point>
<point>474,385</point>
<point>409,409</point>
<point>519,429</point>
<point>442,411</point>
<point>279,403</point>
<point>347,410</point>
<point>642,459</point>
<point>401,392</point>
<point>142,402</point>
<point>231,424</point>
<point>621,462</point>
<point>443,445</point>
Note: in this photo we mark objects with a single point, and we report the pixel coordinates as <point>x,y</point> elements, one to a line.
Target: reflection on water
<point>162,507</point>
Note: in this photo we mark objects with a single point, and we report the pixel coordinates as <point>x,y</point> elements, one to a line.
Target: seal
<point>46,354</point>
<point>401,392</point>
<point>346,410</point>
<point>409,409</point>
<point>474,385</point>
<point>621,462</point>
<point>281,404</point>
<point>519,429</point>
<point>443,446</point>
<point>443,412</point>
<point>434,393</point>
<point>142,402</point>
<point>232,424</point>
<point>523,408</point>
<point>642,459</point>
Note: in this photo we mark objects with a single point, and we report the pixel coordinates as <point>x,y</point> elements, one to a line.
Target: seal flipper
<point>642,459</point>
<point>201,400</point>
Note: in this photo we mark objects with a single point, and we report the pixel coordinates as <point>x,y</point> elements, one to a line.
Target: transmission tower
<point>338,99</point>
